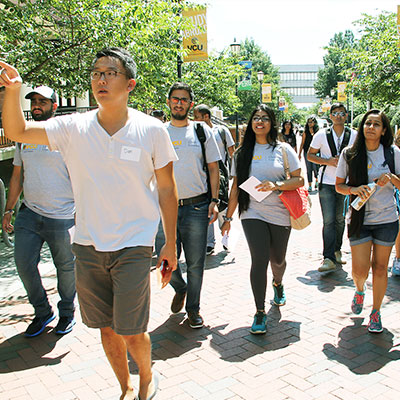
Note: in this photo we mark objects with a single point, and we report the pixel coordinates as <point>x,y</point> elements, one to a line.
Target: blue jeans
<point>192,237</point>
<point>31,231</point>
<point>312,168</point>
<point>332,214</point>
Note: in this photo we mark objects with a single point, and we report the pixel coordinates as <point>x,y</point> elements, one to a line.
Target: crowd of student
<point>136,168</point>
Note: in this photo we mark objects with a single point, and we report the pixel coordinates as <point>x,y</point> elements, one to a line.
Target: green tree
<point>53,41</point>
<point>374,62</point>
<point>332,73</point>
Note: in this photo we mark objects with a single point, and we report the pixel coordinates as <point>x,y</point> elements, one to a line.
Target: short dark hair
<point>203,109</point>
<point>158,113</point>
<point>121,54</point>
<point>181,86</point>
<point>334,106</point>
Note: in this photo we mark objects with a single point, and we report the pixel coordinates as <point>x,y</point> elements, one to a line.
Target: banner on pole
<point>195,37</point>
<point>341,89</point>
<point>266,93</point>
<point>398,25</point>
<point>245,81</point>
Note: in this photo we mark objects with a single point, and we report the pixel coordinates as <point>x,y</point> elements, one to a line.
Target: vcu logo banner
<point>195,36</point>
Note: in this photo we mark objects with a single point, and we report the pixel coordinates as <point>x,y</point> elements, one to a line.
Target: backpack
<point>332,146</point>
<point>223,194</point>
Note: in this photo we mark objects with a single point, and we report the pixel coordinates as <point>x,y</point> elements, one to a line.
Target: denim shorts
<point>382,234</point>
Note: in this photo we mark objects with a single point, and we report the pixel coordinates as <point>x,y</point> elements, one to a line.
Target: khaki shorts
<point>114,288</point>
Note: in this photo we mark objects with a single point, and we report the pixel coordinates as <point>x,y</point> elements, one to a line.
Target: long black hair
<point>357,161</point>
<point>244,154</point>
<point>315,128</point>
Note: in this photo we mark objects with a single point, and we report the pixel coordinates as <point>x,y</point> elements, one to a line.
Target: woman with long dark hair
<point>266,224</point>
<point>373,229</point>
<point>288,135</point>
<point>309,130</point>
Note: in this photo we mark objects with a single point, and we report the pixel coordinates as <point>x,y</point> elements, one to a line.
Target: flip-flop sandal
<point>156,379</point>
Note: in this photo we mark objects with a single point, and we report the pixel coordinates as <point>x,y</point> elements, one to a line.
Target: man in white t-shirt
<point>226,147</point>
<point>121,166</point>
<point>196,208</point>
<point>46,215</point>
<point>323,143</point>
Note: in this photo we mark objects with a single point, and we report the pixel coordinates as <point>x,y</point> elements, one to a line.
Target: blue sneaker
<point>375,322</point>
<point>38,324</point>
<point>279,294</point>
<point>396,267</point>
<point>259,324</point>
<point>65,325</point>
<point>358,302</point>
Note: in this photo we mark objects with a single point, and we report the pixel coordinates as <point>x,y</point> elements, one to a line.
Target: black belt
<point>193,200</point>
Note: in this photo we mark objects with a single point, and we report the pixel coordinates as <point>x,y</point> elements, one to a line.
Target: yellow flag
<point>341,95</point>
<point>195,37</point>
<point>266,93</point>
<point>398,25</point>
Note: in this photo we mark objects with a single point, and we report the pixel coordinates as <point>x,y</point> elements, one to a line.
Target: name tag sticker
<point>130,153</point>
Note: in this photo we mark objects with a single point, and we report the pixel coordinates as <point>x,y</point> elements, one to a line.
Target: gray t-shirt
<point>381,206</point>
<point>228,137</point>
<point>47,187</point>
<point>191,179</point>
<point>267,164</point>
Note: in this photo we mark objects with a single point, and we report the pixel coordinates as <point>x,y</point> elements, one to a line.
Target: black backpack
<point>223,194</point>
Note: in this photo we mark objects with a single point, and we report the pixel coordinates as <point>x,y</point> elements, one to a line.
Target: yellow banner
<point>398,25</point>
<point>341,95</point>
<point>266,93</point>
<point>195,37</point>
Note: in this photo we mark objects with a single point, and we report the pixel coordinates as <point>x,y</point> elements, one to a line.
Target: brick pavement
<point>314,347</point>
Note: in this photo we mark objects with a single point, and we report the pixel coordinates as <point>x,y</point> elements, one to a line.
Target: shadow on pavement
<point>327,282</point>
<point>360,351</point>
<point>19,353</point>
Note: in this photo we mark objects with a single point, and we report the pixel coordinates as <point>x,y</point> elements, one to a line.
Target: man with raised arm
<point>120,164</point>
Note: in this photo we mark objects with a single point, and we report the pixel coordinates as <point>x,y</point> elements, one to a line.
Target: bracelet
<point>8,212</point>
<point>227,219</point>
<point>214,200</point>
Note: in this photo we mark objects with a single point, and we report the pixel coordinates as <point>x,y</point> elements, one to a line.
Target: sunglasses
<point>339,114</point>
<point>177,100</point>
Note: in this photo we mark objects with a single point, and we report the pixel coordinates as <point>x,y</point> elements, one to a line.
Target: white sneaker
<point>338,255</point>
<point>396,267</point>
<point>327,265</point>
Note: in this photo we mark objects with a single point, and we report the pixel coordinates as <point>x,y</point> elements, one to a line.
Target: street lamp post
<point>235,50</point>
<point>260,77</point>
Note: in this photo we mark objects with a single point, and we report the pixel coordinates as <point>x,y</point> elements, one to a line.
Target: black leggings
<point>267,242</point>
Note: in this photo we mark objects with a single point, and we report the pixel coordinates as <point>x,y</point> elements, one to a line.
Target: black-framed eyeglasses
<point>263,119</point>
<point>108,75</point>
<point>339,114</point>
<point>177,100</point>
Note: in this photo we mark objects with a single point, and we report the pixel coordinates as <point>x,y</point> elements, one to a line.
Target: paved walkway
<point>314,347</point>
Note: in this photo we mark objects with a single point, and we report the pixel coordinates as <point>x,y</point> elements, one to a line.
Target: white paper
<point>71,232</point>
<point>130,153</point>
<point>229,241</point>
<point>249,186</point>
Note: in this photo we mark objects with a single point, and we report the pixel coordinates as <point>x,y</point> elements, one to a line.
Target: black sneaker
<point>195,319</point>
<point>65,325</point>
<point>38,324</point>
<point>177,302</point>
<point>210,250</point>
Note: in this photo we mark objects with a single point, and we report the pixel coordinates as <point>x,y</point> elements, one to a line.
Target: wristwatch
<point>8,212</point>
<point>216,201</point>
<point>228,219</point>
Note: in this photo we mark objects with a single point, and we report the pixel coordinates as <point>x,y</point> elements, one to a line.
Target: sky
<point>290,31</point>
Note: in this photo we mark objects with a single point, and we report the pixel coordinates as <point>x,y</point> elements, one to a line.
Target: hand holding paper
<point>250,187</point>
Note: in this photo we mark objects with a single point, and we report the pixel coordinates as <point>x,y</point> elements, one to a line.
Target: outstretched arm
<point>14,124</point>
